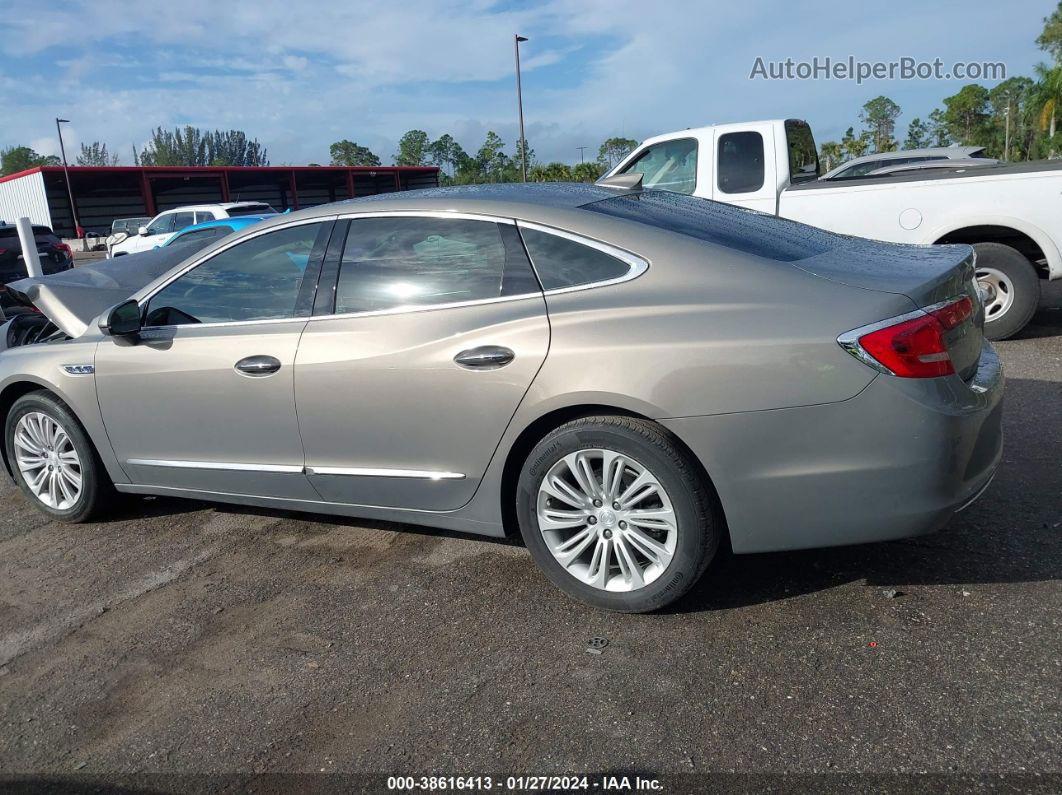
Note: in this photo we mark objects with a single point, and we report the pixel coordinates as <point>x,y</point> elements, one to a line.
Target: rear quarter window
<point>561,262</point>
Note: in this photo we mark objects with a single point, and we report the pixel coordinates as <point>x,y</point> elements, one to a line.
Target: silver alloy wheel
<point>47,460</point>
<point>607,520</point>
<point>997,292</point>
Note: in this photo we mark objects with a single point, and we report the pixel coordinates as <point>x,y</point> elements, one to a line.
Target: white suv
<point>165,224</point>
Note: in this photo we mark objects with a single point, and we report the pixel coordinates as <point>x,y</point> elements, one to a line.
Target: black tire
<point>698,528</point>
<point>97,490</point>
<point>1025,281</point>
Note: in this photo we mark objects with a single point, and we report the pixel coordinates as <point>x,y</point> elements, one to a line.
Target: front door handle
<point>485,357</point>
<point>258,366</point>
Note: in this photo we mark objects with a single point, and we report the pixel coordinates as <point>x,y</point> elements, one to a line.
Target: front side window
<point>409,262</point>
<point>671,165</point>
<point>161,225</point>
<point>561,262</point>
<point>740,162</point>
<point>258,279</point>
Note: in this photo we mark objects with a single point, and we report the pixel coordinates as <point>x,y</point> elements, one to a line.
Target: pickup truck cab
<point>1010,213</point>
<point>166,223</point>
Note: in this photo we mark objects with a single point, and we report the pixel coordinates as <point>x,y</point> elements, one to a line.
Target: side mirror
<point>142,231</point>
<point>122,320</point>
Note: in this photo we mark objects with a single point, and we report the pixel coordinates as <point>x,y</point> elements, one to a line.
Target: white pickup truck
<point>1010,213</point>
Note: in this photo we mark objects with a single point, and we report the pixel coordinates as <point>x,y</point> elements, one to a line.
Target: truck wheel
<point>1010,287</point>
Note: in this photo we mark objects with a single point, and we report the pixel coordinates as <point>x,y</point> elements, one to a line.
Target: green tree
<point>348,153</point>
<point>96,154</point>
<point>879,120</point>
<point>521,144</point>
<point>19,158</point>
<point>1050,40</point>
<point>586,171</point>
<point>550,172</point>
<point>492,160</point>
<point>413,149</point>
<point>1010,118</point>
<point>918,135</point>
<point>855,145</point>
<point>966,114</point>
<point>181,147</point>
<point>233,148</point>
<point>830,153</point>
<point>445,151</point>
<point>613,150</point>
<point>938,129</point>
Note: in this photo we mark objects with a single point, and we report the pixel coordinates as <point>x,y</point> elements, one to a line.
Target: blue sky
<point>299,75</point>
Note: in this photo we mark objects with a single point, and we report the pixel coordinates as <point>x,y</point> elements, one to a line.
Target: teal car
<point>209,230</point>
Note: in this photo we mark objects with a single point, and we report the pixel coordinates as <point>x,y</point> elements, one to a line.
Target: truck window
<point>670,165</point>
<point>740,162</point>
<point>803,156</point>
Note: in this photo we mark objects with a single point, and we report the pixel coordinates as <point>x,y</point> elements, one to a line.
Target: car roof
<point>950,152</point>
<point>214,206</point>
<point>237,221</point>
<point>542,194</point>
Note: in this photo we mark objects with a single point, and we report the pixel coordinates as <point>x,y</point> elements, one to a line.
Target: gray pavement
<point>185,638</point>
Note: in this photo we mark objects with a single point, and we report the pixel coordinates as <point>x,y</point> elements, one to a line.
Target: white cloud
<point>301,76</point>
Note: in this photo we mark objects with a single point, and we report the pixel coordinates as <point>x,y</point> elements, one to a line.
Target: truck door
<point>745,169</point>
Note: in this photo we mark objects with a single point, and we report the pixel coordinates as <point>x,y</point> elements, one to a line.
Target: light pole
<point>1006,139</point>
<point>581,150</point>
<point>66,173</point>
<point>517,38</point>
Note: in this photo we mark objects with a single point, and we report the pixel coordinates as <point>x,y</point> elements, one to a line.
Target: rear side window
<point>561,262</point>
<point>410,262</point>
<point>250,209</point>
<point>671,165</point>
<point>740,162</point>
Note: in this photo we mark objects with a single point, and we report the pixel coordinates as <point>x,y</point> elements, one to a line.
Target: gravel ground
<point>181,638</point>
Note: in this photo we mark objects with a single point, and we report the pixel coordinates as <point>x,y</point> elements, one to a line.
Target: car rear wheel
<point>616,514</point>
<point>53,460</point>
<point>1010,289</point>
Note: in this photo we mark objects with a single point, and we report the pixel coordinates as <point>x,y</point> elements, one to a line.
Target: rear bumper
<point>899,459</point>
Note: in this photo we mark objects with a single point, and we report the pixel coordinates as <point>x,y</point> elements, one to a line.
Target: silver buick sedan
<point>628,378</point>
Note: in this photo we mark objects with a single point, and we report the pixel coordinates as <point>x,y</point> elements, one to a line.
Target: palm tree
<point>1050,95</point>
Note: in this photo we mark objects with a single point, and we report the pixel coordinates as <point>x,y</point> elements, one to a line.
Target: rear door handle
<point>258,366</point>
<point>485,357</point>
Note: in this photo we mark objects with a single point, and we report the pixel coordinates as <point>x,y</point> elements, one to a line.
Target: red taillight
<point>916,348</point>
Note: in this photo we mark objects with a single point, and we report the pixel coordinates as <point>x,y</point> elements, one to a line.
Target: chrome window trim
<point>849,341</point>
<point>444,214</point>
<point>380,472</point>
<point>638,265</point>
<point>228,466</point>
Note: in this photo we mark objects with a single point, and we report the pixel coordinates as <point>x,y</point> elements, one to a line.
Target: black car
<point>55,256</point>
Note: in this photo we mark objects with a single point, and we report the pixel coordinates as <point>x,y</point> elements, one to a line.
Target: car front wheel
<point>616,514</point>
<point>53,460</point>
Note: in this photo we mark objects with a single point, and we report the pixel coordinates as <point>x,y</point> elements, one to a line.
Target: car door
<point>414,364</point>
<point>204,398</point>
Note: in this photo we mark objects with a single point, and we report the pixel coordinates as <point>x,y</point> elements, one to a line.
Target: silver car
<point>625,377</point>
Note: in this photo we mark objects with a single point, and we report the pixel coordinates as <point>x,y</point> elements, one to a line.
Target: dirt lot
<point>181,638</point>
